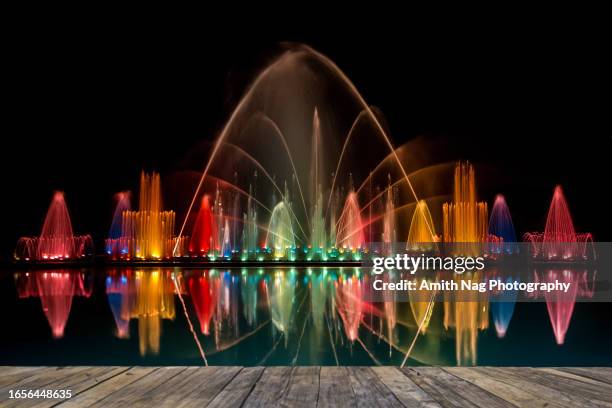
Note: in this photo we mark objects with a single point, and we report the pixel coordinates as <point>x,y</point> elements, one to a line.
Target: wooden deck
<point>311,386</point>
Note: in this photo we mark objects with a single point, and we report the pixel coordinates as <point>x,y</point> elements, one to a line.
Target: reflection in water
<point>281,298</point>
<point>154,302</point>
<point>121,293</point>
<point>286,316</point>
<point>147,296</point>
<point>252,284</point>
<point>421,310</point>
<point>204,293</point>
<point>349,304</point>
<point>467,318</point>
<point>503,309</point>
<point>560,305</point>
<point>55,289</point>
<point>502,305</point>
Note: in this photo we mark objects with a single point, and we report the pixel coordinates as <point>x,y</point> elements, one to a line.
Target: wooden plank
<point>451,391</point>
<point>575,377</point>
<point>369,390</point>
<point>334,389</point>
<point>234,394</point>
<point>78,383</point>
<point>596,393</point>
<point>270,387</point>
<point>404,389</point>
<point>603,374</point>
<point>523,379</point>
<point>42,376</point>
<point>73,379</point>
<point>92,395</point>
<point>12,370</point>
<point>39,379</point>
<point>510,392</point>
<point>125,396</point>
<point>303,388</point>
<point>198,390</point>
<point>311,386</point>
<point>13,375</point>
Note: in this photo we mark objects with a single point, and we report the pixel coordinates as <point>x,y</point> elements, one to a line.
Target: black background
<point>90,105</point>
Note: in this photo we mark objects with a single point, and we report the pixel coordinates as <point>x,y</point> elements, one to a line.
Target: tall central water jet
<point>389,228</point>
<point>303,120</point>
<point>146,233</point>
<point>465,219</point>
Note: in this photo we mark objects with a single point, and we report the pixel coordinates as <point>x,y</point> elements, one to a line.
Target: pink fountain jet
<point>56,241</point>
<point>560,242</point>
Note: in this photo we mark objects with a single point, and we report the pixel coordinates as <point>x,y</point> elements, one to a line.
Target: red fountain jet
<point>205,234</point>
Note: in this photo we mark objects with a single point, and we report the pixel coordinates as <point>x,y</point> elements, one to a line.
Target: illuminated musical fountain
<point>560,241</point>
<point>465,225</point>
<point>296,173</point>
<point>465,218</point>
<point>501,234</point>
<point>56,241</point>
<point>146,234</point>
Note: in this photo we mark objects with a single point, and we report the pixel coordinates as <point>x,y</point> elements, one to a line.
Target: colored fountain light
<point>501,234</point>
<point>279,236</point>
<point>465,219</point>
<point>350,234</point>
<point>205,236</point>
<point>148,233</point>
<point>502,307</point>
<point>55,289</point>
<point>350,306</point>
<point>120,291</point>
<point>204,291</point>
<point>153,301</point>
<point>287,132</point>
<point>56,241</point>
<point>422,233</point>
<point>560,241</point>
<point>467,318</point>
<point>560,305</point>
<point>116,246</point>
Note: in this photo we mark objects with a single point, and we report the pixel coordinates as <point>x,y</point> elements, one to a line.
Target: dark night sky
<point>88,108</point>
